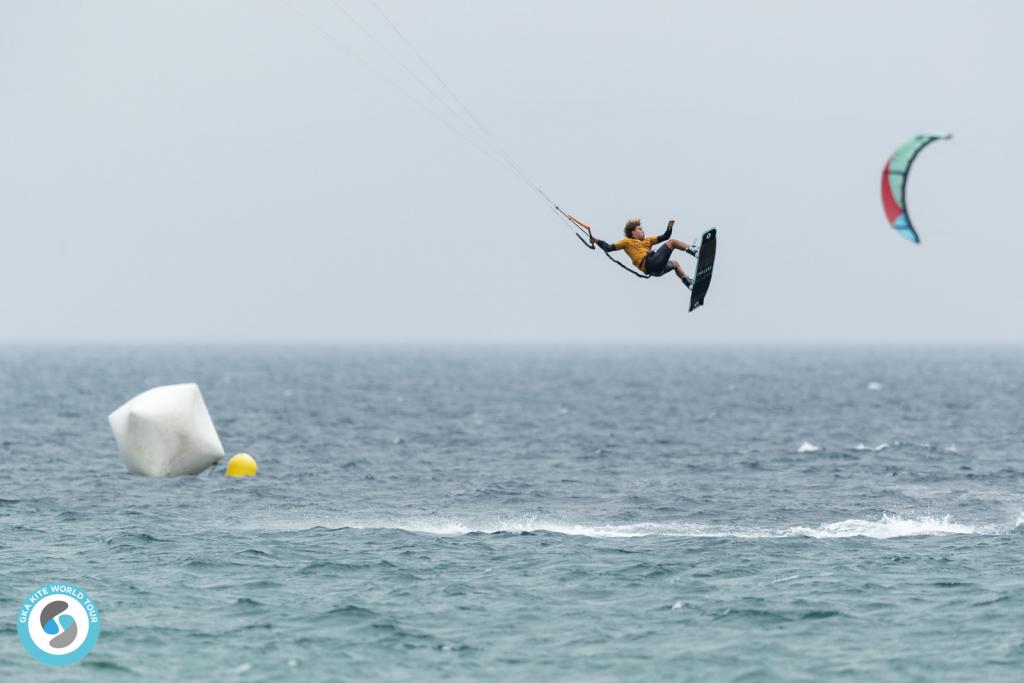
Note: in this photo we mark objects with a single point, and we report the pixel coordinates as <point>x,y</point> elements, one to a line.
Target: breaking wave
<point>885,527</point>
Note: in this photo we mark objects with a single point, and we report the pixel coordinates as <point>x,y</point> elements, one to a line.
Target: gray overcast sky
<point>225,171</point>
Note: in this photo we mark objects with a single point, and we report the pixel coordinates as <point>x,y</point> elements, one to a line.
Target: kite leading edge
<point>894,183</point>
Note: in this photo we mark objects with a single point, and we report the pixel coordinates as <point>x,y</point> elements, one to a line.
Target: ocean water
<point>530,514</point>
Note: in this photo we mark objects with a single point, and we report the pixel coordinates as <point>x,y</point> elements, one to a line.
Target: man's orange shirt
<point>636,250</point>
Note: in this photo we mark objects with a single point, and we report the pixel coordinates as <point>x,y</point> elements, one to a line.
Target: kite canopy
<point>894,182</point>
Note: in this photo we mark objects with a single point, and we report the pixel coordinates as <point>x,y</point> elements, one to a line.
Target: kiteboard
<point>705,264</point>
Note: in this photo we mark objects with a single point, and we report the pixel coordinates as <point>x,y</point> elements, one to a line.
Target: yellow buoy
<point>241,465</point>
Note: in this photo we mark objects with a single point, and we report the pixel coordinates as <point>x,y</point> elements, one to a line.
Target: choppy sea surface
<point>530,514</point>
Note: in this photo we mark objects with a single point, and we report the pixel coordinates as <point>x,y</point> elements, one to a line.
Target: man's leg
<point>679,269</point>
<point>679,272</point>
<point>681,246</point>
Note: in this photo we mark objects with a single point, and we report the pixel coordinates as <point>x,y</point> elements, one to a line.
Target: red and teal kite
<point>894,182</point>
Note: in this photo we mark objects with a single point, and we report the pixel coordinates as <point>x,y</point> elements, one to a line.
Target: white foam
<point>446,526</point>
<point>874,386</point>
<point>889,526</point>
<point>808,447</point>
<point>875,449</point>
<point>786,579</point>
<point>885,527</point>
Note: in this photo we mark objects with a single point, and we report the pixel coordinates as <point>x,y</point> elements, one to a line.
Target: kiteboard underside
<point>705,265</point>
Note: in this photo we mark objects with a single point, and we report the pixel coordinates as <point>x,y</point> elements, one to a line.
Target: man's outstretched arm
<point>604,245</point>
<point>668,232</point>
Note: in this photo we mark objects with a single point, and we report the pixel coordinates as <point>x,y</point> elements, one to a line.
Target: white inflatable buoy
<point>166,431</point>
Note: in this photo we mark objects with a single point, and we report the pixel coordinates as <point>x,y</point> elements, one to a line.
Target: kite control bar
<point>591,244</point>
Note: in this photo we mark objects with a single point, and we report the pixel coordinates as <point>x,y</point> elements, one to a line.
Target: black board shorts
<point>656,262</point>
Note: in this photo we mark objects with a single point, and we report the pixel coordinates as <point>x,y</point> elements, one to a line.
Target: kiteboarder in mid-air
<point>639,249</point>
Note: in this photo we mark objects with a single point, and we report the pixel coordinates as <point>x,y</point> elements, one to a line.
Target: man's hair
<point>631,225</point>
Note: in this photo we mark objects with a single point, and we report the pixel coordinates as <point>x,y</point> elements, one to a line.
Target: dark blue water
<point>530,515</point>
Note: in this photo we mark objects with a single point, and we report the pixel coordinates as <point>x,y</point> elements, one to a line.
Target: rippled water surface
<point>530,515</point>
